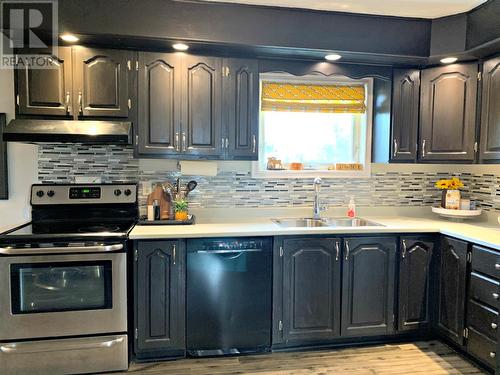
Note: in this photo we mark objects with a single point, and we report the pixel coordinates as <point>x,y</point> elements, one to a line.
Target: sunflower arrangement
<point>451,184</point>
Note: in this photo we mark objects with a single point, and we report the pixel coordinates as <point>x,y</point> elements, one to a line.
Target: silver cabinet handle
<point>492,355</point>
<point>423,148</point>
<point>183,141</point>
<point>61,250</point>
<point>337,250</point>
<point>495,295</point>
<point>80,105</point>
<point>176,146</point>
<point>395,147</point>
<point>347,250</point>
<point>223,144</point>
<point>254,144</point>
<point>174,251</point>
<point>404,249</point>
<point>497,266</point>
<point>227,142</point>
<point>68,106</point>
<point>494,326</point>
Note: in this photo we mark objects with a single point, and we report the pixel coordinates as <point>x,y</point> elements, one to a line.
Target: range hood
<point>69,131</point>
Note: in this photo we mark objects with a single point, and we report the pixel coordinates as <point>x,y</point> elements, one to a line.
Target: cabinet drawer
<point>482,348</point>
<point>484,290</point>
<point>485,261</point>
<point>483,319</point>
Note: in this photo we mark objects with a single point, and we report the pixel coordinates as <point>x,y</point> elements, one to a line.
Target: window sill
<point>258,173</point>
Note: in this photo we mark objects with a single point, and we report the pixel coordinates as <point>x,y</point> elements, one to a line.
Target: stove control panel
<point>53,194</point>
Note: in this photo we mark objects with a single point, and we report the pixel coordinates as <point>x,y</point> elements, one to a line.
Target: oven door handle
<point>60,250</point>
<point>45,346</point>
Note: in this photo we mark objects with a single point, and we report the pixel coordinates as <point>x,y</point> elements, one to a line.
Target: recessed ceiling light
<point>180,46</point>
<point>69,38</point>
<point>333,57</point>
<point>448,60</point>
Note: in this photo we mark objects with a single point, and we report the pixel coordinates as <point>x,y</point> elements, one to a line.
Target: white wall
<point>22,163</point>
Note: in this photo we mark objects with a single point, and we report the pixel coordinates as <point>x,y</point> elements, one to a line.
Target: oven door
<point>62,295</point>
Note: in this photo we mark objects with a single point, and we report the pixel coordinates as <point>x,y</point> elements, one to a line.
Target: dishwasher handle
<point>227,251</point>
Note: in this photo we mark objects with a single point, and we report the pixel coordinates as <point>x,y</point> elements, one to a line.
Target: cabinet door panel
<point>101,82</point>
<point>159,103</point>
<point>201,118</point>
<point>448,112</point>
<point>311,289</point>
<point>241,108</point>
<point>47,91</point>
<point>368,286</point>
<point>490,115</point>
<point>451,288</point>
<point>405,107</point>
<point>160,296</point>
<point>414,288</point>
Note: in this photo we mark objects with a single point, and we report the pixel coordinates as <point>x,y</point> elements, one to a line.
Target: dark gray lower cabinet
<point>368,286</point>
<point>159,299</point>
<point>452,281</point>
<point>414,282</point>
<point>306,289</point>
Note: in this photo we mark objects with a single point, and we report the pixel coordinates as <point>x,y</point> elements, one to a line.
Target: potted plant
<point>181,209</point>
<point>450,197</point>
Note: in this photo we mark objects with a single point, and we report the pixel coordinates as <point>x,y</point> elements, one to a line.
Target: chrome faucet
<point>317,208</point>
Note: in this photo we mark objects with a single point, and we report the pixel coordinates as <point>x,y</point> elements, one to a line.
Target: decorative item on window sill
<point>450,196</point>
<point>274,164</point>
<point>296,166</point>
<point>349,167</point>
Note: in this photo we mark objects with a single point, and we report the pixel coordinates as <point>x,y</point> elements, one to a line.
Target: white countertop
<point>485,232</point>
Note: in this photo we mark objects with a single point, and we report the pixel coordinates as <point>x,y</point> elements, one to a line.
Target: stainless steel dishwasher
<point>228,296</point>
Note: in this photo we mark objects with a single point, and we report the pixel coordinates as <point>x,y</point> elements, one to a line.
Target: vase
<point>443,198</point>
<point>181,215</point>
<point>450,199</point>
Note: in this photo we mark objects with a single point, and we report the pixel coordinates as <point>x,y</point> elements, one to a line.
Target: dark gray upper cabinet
<point>414,283</point>
<point>46,91</point>
<point>368,286</point>
<point>405,109</point>
<point>4,175</point>
<point>159,103</point>
<point>490,112</point>
<point>159,298</point>
<point>307,290</point>
<point>452,278</point>
<point>101,82</point>
<point>201,106</point>
<point>241,107</point>
<point>448,113</point>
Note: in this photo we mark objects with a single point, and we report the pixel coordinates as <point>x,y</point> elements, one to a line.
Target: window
<point>314,126</point>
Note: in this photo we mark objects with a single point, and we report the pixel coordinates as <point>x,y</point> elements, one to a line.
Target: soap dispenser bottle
<point>351,208</point>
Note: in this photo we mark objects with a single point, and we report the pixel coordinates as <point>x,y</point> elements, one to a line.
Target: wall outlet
<point>87,180</point>
<point>147,188</point>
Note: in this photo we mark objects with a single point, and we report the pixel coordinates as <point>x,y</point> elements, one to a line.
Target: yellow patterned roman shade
<point>293,97</point>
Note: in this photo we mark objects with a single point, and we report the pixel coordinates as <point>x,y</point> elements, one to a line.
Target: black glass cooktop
<point>73,228</point>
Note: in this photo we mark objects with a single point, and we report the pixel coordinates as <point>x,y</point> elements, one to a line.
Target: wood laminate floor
<point>427,358</point>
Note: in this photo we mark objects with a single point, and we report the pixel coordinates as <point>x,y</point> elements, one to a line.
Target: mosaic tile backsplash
<point>64,162</point>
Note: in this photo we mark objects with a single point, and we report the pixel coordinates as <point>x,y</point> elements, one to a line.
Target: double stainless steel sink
<point>325,222</point>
